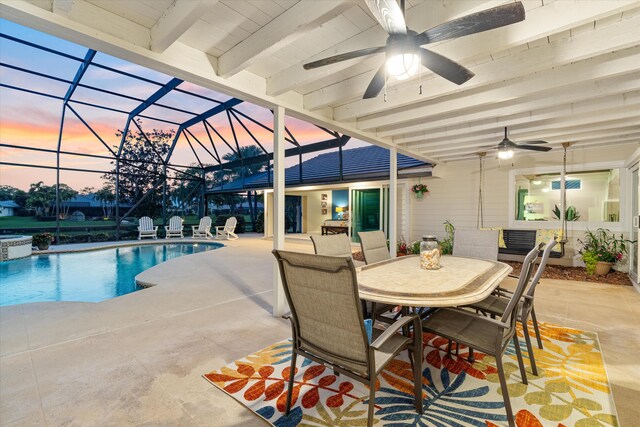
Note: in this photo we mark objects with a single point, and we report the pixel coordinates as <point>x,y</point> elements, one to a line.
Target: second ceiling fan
<point>403,47</point>
<point>506,146</point>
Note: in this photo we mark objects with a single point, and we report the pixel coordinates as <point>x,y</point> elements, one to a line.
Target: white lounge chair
<point>146,228</point>
<point>203,229</point>
<point>227,231</point>
<point>174,229</point>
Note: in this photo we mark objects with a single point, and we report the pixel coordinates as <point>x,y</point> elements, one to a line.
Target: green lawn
<point>31,222</point>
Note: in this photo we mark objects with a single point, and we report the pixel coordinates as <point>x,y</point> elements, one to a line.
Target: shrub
<point>258,226</point>
<point>43,239</point>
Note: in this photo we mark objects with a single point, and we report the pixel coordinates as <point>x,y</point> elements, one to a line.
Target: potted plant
<point>446,246</point>
<point>43,240</point>
<point>571,213</point>
<point>601,250</point>
<point>419,190</point>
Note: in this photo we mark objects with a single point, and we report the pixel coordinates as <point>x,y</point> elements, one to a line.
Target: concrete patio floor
<point>138,359</point>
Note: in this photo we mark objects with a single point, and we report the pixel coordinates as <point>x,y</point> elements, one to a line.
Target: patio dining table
<point>459,281</point>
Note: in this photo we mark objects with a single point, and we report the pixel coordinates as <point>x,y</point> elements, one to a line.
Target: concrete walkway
<point>138,359</point>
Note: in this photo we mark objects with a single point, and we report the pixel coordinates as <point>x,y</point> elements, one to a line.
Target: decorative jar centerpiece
<point>429,253</point>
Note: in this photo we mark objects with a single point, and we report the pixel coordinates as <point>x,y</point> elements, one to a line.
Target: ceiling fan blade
<point>532,147</point>
<point>534,142</point>
<point>489,19</point>
<point>389,15</point>
<point>376,85</point>
<point>445,67</point>
<point>343,57</point>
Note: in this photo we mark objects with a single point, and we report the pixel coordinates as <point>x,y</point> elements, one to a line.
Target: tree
<point>41,198</point>
<point>106,196</point>
<point>141,169</point>
<point>66,193</point>
<point>8,192</point>
<point>87,191</point>
<point>185,194</point>
<point>253,197</point>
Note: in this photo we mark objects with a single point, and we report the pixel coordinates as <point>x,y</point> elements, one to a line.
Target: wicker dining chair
<point>491,336</point>
<point>328,326</point>
<point>496,304</point>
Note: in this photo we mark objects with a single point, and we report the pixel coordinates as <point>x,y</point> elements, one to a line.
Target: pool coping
<point>96,246</point>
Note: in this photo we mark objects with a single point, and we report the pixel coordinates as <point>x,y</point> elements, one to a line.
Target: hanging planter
<point>419,190</point>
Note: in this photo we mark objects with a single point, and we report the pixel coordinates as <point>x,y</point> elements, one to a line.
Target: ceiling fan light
<point>505,153</point>
<point>403,66</point>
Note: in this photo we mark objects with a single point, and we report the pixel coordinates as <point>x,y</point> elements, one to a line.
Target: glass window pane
<point>598,198</point>
<point>537,199</point>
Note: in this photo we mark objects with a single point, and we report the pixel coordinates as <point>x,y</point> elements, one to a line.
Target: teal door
<point>365,211</point>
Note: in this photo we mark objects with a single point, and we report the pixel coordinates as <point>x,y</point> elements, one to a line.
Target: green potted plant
<point>601,250</point>
<point>446,246</point>
<point>571,214</point>
<point>43,240</point>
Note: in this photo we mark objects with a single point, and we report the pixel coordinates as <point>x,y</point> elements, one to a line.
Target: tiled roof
<point>370,162</point>
<point>9,204</point>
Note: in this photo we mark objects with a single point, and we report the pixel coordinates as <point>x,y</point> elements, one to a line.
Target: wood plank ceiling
<point>569,72</point>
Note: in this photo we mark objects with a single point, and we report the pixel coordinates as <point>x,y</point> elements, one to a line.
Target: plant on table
<point>43,240</point>
<point>602,246</point>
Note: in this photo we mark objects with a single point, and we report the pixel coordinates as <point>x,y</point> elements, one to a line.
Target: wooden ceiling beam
<point>175,21</point>
<point>292,24</point>
<point>599,41</point>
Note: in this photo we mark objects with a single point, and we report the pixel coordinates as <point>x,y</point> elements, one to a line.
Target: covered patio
<point>543,141</point>
<point>138,359</point>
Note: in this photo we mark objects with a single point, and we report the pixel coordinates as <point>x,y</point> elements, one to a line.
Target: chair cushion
<point>368,327</point>
<point>544,236</point>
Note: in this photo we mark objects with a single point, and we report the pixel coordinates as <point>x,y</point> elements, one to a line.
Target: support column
<point>393,200</point>
<point>278,204</point>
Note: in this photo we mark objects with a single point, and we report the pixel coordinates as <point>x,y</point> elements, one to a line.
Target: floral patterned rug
<point>571,390</point>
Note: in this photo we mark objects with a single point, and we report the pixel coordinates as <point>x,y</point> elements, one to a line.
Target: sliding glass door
<point>635,219</point>
<point>365,211</point>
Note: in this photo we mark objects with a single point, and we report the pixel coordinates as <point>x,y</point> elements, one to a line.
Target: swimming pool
<point>89,276</point>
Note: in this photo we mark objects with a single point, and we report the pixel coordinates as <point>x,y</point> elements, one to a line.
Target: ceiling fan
<point>403,47</point>
<point>506,147</point>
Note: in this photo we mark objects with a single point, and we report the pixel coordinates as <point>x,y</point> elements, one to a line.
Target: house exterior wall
<point>454,189</point>
<point>6,211</point>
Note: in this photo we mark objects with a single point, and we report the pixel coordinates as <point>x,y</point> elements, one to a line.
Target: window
<point>592,196</point>
<point>571,184</point>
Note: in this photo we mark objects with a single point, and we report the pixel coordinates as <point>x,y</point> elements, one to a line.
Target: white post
<point>393,200</point>
<point>278,205</point>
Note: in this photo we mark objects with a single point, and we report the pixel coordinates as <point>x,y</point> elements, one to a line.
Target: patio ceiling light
<point>403,65</point>
<point>505,153</point>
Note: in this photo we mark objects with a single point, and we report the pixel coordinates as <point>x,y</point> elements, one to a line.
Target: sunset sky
<point>33,120</point>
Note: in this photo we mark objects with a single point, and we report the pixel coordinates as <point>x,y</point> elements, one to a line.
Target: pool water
<point>90,276</point>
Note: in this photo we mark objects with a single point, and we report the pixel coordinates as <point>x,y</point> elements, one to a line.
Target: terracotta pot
<point>603,268</point>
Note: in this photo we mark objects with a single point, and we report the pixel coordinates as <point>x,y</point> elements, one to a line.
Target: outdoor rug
<point>571,390</point>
